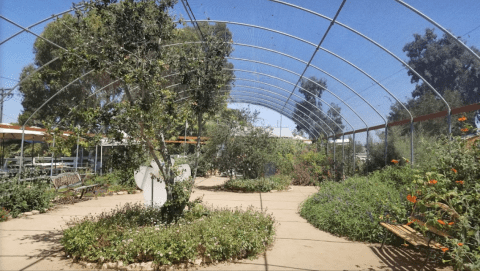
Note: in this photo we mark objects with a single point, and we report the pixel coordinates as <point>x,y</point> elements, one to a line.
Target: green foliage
<point>453,179</point>
<point>25,196</point>
<point>354,207</point>
<point>444,63</point>
<point>133,233</point>
<point>276,182</point>
<point>285,153</point>
<point>398,175</point>
<point>310,167</point>
<point>235,144</point>
<point>124,160</point>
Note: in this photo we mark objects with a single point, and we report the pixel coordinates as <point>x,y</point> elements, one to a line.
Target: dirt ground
<point>32,243</point>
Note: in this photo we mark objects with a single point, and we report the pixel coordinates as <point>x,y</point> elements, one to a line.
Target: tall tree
<point>450,69</point>
<point>444,64</point>
<point>309,111</point>
<point>127,39</point>
<point>52,78</point>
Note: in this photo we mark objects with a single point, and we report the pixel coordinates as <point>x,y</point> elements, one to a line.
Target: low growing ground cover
<point>276,182</point>
<point>133,233</point>
<point>354,207</point>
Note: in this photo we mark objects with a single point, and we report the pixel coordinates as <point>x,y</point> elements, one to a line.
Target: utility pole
<point>2,99</point>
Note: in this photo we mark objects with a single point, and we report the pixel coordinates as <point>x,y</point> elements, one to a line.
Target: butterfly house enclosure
<point>386,92</point>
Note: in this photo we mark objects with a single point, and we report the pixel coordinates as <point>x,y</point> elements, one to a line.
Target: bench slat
<point>410,235</point>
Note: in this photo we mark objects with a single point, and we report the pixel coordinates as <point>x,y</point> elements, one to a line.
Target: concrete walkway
<point>31,243</point>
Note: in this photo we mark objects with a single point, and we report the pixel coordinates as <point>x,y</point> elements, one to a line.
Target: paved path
<point>31,243</point>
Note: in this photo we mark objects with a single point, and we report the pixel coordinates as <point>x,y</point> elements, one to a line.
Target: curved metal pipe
<point>35,24</point>
<point>268,64</point>
<point>249,92</point>
<point>304,62</point>
<point>288,82</point>
<point>267,105</point>
<point>385,49</point>
<point>325,50</point>
<point>285,97</point>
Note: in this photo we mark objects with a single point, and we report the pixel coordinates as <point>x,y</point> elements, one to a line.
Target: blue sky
<point>385,21</point>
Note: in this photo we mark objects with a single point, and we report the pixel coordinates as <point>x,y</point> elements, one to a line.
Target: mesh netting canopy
<point>354,47</point>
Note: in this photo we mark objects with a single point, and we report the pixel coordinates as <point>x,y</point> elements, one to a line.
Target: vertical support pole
<point>152,190</point>
<point>21,153</point>
<point>343,155</point>
<point>101,159</point>
<point>3,149</point>
<point>366,158</point>
<point>334,165</point>
<point>76,155</point>
<point>95,166</point>
<point>449,120</point>
<point>354,153</point>
<point>53,155</point>
<point>33,148</point>
<point>185,147</point>
<point>280,125</point>
<point>411,144</point>
<point>386,144</point>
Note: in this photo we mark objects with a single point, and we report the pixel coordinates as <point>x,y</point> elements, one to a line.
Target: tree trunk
<point>197,147</point>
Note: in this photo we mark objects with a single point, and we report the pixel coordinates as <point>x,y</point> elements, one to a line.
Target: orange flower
<point>462,118</point>
<point>411,198</point>
<point>460,244</point>
<point>444,249</point>
<point>451,223</point>
<point>409,223</point>
<point>405,245</point>
<point>441,222</point>
<point>464,130</point>
<point>432,182</point>
<point>459,182</point>
<point>394,161</point>
<point>454,170</point>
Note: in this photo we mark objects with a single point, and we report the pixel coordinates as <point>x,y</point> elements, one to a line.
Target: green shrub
<point>276,182</point>
<point>133,233</point>
<point>454,179</point>
<point>25,196</point>
<point>400,176</point>
<point>354,207</point>
<point>310,168</point>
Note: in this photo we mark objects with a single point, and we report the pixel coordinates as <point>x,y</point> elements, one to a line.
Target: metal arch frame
<point>255,81</point>
<point>325,50</point>
<point>276,94</point>
<point>271,76</point>
<point>264,103</point>
<point>302,61</point>
<point>315,122</point>
<point>274,66</point>
<point>37,23</point>
<point>316,49</point>
<point>300,118</point>
<point>268,97</point>
<point>385,49</point>
<point>439,26</point>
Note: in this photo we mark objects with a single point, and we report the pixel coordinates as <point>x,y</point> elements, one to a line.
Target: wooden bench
<point>72,179</point>
<point>415,238</point>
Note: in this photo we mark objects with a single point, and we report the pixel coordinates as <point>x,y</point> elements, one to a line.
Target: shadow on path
<point>404,259</point>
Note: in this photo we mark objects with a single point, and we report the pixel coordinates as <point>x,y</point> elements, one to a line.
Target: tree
<point>309,111</point>
<point>50,79</point>
<point>450,69</point>
<point>235,144</point>
<point>444,64</point>
<point>127,41</point>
